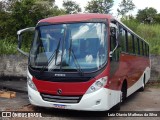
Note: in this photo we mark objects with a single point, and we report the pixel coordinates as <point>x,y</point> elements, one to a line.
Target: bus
<point>89,62</point>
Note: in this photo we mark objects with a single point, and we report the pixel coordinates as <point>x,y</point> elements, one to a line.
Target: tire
<point>143,84</point>
<point>123,93</point>
<point>117,107</point>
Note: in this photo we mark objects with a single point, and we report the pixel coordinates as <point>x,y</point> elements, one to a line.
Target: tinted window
<point>136,46</point>
<point>140,46</point>
<point>144,47</point>
<point>130,43</point>
<point>147,50</point>
<point>113,43</point>
<point>133,41</point>
<point>123,39</point>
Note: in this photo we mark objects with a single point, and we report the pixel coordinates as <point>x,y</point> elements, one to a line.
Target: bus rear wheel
<point>123,92</point>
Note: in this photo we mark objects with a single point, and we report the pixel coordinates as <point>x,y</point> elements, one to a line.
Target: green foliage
<point>99,6</point>
<point>1,6</point>
<point>7,47</point>
<point>71,7</point>
<point>125,6</point>
<point>150,32</point>
<point>23,13</point>
<point>19,14</point>
<point>132,23</point>
<point>157,18</point>
<point>147,15</point>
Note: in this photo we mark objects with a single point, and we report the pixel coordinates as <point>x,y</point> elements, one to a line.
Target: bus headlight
<point>31,84</point>
<point>97,85</point>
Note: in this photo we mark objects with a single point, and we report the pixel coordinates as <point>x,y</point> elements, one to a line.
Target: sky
<point>140,4</point>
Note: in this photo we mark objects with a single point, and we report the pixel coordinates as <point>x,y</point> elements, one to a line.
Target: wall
<point>13,65</point>
<point>155,67</point>
<point>16,66</point>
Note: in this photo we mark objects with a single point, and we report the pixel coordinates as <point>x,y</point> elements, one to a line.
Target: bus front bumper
<point>99,100</point>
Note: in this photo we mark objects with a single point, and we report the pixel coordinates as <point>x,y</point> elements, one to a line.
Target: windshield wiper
<point>75,59</point>
<point>57,51</point>
<point>54,54</point>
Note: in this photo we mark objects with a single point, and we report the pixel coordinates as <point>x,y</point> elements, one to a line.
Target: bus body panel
<point>133,67</point>
<point>139,82</point>
<point>101,100</point>
<point>107,97</point>
<point>68,88</point>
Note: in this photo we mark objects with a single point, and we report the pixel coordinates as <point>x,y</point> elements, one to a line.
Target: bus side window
<point>145,52</point>
<point>141,47</point>
<point>113,39</point>
<point>136,42</point>
<point>138,45</point>
<point>148,50</point>
<point>123,39</point>
<point>130,43</point>
<point>133,41</point>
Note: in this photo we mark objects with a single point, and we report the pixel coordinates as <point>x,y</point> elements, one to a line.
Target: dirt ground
<point>148,100</point>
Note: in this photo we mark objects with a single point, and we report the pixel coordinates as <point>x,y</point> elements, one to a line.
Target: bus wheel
<point>123,95</point>
<point>124,92</point>
<point>143,84</point>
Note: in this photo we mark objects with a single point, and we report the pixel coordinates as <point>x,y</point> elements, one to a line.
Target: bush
<point>7,47</point>
<point>132,24</point>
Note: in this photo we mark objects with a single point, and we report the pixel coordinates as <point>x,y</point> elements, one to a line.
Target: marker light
<point>97,85</point>
<point>93,88</point>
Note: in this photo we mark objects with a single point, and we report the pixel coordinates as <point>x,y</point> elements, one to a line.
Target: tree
<point>99,6</point>
<point>1,6</point>
<point>71,7</point>
<point>157,18</point>
<point>147,15</point>
<point>24,13</point>
<point>124,7</point>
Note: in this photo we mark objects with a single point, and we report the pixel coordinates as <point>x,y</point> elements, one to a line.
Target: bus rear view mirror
<point>19,33</point>
<point>113,32</point>
<point>113,38</point>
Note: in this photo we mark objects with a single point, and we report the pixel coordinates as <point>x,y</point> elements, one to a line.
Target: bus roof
<point>75,18</point>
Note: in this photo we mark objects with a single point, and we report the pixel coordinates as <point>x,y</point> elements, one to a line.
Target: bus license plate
<point>59,106</point>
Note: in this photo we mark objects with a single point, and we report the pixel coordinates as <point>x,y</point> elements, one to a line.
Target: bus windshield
<point>69,47</point>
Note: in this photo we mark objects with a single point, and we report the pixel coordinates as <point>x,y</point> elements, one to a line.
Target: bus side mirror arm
<point>24,53</point>
<point>19,33</point>
<point>111,52</point>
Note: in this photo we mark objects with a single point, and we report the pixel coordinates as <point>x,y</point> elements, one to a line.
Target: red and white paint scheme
<point>88,62</point>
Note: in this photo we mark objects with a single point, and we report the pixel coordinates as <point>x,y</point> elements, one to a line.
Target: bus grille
<point>61,99</point>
